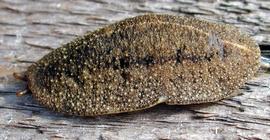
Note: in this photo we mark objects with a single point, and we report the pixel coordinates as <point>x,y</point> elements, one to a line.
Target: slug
<point>143,61</point>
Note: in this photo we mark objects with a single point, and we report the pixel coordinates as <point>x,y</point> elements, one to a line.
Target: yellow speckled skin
<point>142,61</point>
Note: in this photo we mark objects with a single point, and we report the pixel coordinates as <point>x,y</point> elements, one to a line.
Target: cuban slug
<point>140,62</point>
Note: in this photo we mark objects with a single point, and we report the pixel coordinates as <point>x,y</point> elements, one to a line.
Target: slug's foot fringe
<point>23,92</point>
<point>22,77</point>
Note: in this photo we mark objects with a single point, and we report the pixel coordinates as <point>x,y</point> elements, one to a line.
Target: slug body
<point>143,61</point>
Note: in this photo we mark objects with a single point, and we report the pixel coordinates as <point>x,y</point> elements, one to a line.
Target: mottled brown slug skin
<point>143,61</point>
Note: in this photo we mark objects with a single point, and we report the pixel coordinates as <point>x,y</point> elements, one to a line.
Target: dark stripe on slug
<point>126,62</point>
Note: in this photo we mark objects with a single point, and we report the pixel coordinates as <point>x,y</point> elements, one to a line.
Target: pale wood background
<point>29,29</point>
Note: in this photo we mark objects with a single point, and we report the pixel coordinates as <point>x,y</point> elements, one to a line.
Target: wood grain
<point>30,29</point>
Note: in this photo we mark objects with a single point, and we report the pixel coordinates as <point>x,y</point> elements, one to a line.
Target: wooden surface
<point>29,29</point>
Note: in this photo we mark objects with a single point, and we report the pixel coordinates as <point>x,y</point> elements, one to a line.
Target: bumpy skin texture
<point>142,61</point>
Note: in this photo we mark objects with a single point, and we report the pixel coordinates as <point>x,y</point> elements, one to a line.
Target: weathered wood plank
<point>30,29</point>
